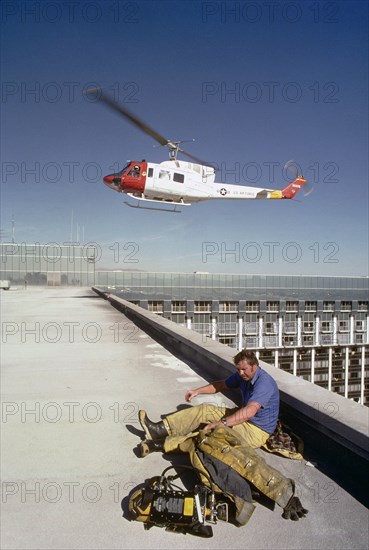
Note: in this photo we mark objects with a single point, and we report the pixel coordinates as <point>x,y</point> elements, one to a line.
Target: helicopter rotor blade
<point>110,102</point>
<point>136,121</point>
<point>196,159</point>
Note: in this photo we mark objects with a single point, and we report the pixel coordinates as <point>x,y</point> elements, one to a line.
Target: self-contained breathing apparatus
<point>161,503</point>
<point>231,475</point>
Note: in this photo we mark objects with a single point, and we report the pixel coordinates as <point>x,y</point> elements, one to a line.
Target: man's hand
<point>211,426</point>
<point>214,387</point>
<point>190,394</point>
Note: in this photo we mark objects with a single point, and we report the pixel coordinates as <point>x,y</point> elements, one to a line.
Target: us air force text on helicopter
<point>271,251</point>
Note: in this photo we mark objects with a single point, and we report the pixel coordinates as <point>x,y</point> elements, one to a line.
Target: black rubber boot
<point>150,446</point>
<point>153,430</point>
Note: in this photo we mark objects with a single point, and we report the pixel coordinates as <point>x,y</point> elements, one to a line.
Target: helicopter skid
<point>158,201</point>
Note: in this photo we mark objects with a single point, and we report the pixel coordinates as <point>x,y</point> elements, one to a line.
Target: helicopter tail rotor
<point>291,171</point>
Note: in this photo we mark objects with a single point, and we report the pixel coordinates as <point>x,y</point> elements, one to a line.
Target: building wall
<point>333,353</point>
<point>313,327</point>
<point>47,264</point>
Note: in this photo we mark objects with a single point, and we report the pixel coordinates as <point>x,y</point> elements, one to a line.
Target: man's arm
<point>242,415</point>
<point>214,387</point>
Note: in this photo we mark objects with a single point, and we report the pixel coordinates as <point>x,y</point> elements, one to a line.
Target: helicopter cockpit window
<point>121,172</point>
<point>164,174</point>
<point>135,171</point>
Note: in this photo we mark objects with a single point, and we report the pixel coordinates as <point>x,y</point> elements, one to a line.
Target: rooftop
<point>76,370</point>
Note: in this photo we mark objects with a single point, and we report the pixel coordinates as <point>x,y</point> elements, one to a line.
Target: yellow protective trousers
<point>227,446</point>
<point>182,424</point>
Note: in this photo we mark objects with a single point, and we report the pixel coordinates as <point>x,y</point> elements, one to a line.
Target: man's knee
<point>253,437</point>
<point>209,412</point>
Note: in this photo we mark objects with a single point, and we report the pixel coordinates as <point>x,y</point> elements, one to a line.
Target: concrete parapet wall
<point>331,415</point>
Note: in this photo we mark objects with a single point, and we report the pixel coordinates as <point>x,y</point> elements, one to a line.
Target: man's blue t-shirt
<point>264,390</point>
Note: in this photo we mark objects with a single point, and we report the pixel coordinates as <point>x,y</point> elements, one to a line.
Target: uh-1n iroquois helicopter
<point>176,182</point>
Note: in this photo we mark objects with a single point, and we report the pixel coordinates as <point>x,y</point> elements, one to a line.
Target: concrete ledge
<point>333,416</point>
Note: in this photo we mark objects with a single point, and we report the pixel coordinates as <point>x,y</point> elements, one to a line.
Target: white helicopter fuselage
<point>191,183</point>
<point>182,182</point>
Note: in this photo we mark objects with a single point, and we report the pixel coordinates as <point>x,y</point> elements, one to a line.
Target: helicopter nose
<point>109,179</point>
<point>113,181</point>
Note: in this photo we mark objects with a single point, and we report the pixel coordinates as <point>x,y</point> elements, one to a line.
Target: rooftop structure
<point>75,370</point>
<point>49,264</point>
<point>316,328</point>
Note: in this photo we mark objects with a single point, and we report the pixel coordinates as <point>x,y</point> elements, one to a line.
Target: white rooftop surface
<point>74,374</point>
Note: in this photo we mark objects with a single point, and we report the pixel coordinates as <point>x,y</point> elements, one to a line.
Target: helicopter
<point>176,182</point>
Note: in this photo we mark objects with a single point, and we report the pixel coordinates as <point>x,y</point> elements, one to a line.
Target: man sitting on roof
<point>254,421</point>
<point>252,424</point>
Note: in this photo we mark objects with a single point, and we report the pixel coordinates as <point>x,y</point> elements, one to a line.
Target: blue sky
<point>256,84</point>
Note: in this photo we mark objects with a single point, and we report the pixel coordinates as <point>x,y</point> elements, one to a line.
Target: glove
<point>294,510</point>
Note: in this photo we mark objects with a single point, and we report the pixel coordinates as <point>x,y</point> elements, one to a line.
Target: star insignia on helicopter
<point>223,191</point>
